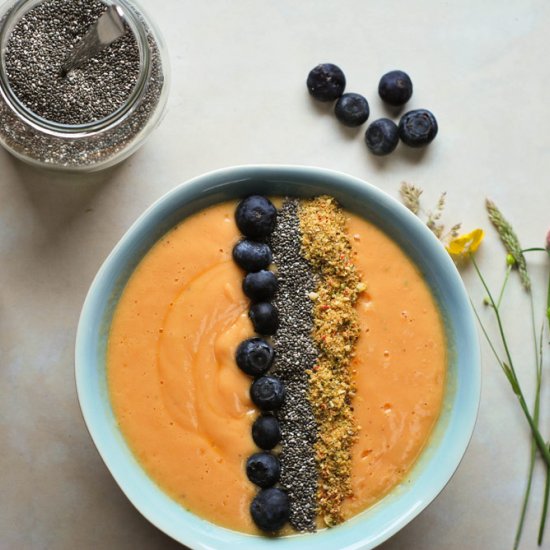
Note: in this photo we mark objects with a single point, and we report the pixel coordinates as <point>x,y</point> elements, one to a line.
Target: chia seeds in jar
<point>97,114</point>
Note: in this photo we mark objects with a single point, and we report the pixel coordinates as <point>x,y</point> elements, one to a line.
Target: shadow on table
<point>408,155</point>
<point>57,197</point>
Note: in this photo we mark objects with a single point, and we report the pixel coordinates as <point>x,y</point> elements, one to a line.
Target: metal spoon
<point>105,30</point>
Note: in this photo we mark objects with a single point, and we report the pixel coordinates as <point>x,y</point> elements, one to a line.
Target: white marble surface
<point>238,97</point>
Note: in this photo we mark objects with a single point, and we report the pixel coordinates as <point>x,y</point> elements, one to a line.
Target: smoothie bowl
<point>278,356</point>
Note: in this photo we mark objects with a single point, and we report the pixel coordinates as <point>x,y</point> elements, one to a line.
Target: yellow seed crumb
<point>325,244</point>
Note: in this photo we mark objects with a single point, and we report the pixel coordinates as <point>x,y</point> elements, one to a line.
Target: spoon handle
<point>105,30</point>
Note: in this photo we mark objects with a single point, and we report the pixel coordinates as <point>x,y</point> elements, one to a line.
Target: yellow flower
<point>463,244</point>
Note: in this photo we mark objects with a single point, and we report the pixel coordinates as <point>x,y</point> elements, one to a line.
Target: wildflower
<point>462,245</point>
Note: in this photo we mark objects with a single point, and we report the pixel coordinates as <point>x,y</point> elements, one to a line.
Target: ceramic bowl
<point>451,435</point>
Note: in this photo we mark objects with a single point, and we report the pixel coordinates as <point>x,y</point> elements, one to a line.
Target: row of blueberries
<point>256,217</point>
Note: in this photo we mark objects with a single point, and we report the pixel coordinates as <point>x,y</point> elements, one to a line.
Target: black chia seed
<point>295,352</point>
<point>39,44</point>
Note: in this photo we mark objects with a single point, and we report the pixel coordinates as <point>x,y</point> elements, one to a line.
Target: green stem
<point>544,507</point>
<point>497,313</point>
<point>527,493</point>
<point>544,511</point>
<point>536,415</point>
<point>543,449</point>
<point>506,277</point>
<point>547,486</point>
<point>502,365</point>
<point>548,297</point>
<point>486,334</point>
<point>538,249</point>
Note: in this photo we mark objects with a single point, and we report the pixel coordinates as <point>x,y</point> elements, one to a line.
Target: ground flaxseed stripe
<point>335,331</point>
<point>295,354</point>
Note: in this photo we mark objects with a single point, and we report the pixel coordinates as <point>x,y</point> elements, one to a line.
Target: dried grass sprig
<point>410,196</point>
<point>510,240</point>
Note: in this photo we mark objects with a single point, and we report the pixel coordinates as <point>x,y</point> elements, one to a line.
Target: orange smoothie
<point>184,407</point>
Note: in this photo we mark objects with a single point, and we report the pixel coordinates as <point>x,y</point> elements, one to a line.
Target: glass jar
<point>92,145</point>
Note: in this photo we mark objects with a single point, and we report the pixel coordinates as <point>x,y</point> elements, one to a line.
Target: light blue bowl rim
<point>436,465</point>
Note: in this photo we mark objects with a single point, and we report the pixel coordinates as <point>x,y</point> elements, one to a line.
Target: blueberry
<point>267,393</point>
<point>263,469</point>
<point>270,509</point>
<point>264,317</point>
<point>382,136</point>
<point>326,82</point>
<point>251,255</point>
<point>255,217</point>
<point>254,356</point>
<point>352,110</point>
<point>266,431</point>
<point>417,128</point>
<point>395,88</point>
<point>260,286</point>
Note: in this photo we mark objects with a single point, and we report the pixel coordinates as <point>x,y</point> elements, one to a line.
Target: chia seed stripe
<point>295,352</point>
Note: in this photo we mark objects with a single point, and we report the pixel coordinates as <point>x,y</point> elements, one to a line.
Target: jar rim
<point>21,7</point>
